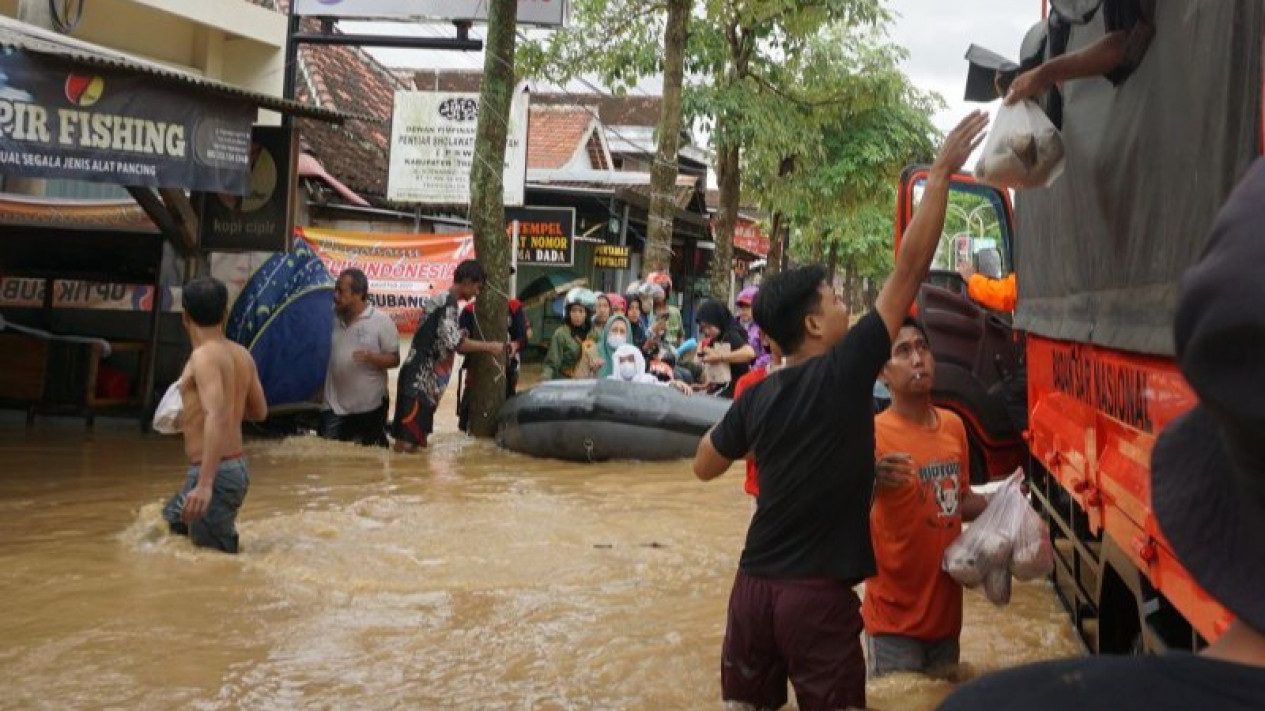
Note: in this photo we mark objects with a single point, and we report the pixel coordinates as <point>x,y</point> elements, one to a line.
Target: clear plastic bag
<point>170,411</point>
<point>982,554</point>
<point>1023,150</point>
<point>1033,554</point>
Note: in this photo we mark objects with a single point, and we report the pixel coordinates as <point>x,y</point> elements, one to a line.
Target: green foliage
<point>809,90</point>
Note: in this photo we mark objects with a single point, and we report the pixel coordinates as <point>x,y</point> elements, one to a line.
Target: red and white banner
<point>404,270</point>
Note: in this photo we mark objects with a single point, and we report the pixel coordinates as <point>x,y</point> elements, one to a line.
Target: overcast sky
<point>936,34</point>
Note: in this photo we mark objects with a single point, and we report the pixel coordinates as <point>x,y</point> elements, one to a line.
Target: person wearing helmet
<point>566,356</point>
<point>666,326</point>
<point>747,324</point>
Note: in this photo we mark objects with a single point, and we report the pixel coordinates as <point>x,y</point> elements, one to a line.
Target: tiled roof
<point>555,134</point>
<point>347,79</point>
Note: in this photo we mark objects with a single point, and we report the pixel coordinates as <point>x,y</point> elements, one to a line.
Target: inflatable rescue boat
<point>597,420</point>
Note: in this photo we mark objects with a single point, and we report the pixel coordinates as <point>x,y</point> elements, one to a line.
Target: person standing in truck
<point>912,608</point>
<point>1208,495</point>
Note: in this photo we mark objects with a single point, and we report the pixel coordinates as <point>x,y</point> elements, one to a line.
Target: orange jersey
<point>911,527</point>
<point>996,294</point>
<point>752,483</point>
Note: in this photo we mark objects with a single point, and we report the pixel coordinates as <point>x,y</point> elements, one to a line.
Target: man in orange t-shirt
<point>912,608</point>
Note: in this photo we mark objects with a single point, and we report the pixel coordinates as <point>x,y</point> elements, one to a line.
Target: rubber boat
<point>598,420</point>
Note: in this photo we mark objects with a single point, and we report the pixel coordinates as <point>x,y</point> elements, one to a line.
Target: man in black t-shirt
<point>1208,495</point>
<point>792,612</point>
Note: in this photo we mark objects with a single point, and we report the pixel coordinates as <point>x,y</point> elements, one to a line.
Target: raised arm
<point>918,245</point>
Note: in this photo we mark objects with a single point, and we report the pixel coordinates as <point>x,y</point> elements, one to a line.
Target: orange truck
<point>1076,384</point>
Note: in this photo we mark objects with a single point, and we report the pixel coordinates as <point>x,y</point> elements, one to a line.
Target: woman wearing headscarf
<point>746,322</point>
<point>617,333</point>
<point>727,352</point>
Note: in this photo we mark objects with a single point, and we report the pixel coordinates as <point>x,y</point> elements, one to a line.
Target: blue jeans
<point>218,528</point>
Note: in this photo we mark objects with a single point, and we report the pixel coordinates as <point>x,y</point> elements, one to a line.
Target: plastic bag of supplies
<point>986,552</point>
<point>1023,150</point>
<point>170,409</point>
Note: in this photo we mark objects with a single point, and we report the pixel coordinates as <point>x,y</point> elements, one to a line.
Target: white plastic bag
<point>1033,554</point>
<point>982,554</point>
<point>170,411</point>
<point>1023,150</point>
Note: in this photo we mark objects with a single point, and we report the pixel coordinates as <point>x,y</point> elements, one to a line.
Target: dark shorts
<point>218,528</point>
<point>804,630</point>
<point>366,428</point>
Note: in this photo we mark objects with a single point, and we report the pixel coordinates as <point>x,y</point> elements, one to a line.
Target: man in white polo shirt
<point>365,345</point>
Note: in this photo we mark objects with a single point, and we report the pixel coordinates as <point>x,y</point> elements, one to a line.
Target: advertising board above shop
<point>59,120</point>
<point>543,13</point>
<point>261,220</point>
<point>546,235</point>
<point>433,144</point>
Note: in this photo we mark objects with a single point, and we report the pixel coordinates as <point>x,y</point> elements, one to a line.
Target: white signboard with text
<point>433,144</point>
<point>545,13</point>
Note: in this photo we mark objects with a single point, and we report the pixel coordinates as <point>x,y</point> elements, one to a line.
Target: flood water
<point>464,577</point>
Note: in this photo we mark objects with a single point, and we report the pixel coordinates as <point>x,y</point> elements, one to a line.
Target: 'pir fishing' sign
<point>59,120</point>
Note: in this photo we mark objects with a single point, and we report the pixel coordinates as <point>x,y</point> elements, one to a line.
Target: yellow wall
<point>233,41</point>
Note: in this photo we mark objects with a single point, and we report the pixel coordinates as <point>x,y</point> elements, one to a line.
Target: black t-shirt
<point>1181,682</point>
<point>811,428</point>
<point>1137,17</point>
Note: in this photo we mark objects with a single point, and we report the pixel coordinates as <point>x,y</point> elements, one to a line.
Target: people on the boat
<point>666,325</point>
<point>630,367</point>
<point>572,353</point>
<point>614,335</point>
<point>746,322</point>
<point>727,355</point>
<point>602,311</point>
<point>619,304</point>
<point>634,315</point>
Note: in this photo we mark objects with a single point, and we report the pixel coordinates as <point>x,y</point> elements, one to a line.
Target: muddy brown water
<point>465,577</point>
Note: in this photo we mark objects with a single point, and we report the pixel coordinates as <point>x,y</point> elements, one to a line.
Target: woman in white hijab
<point>629,366</point>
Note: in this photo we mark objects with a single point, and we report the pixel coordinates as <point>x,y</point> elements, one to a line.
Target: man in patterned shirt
<point>426,371</point>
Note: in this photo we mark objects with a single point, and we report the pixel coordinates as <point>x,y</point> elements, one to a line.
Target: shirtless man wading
<point>219,388</point>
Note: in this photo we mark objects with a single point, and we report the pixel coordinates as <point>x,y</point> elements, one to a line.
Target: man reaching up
<point>792,612</point>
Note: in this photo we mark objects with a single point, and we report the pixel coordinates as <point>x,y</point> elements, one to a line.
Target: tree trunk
<point>729,177</point>
<point>486,384</point>
<point>658,257</point>
<point>777,245</point>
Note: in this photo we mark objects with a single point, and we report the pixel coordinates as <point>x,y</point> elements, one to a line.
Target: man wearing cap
<point>1208,494</point>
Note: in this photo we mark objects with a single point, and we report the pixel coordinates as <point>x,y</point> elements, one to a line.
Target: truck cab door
<point>979,359</point>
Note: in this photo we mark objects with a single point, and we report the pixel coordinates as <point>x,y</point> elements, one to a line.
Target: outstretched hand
<point>960,143</point>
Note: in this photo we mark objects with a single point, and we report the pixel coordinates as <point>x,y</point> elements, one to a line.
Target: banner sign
<point>546,235</point>
<point>116,127</point>
<point>546,13</point>
<point>432,147</point>
<point>404,270</point>
<point>262,219</point>
<point>611,256</point>
<point>95,296</point>
<point>749,236</point>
